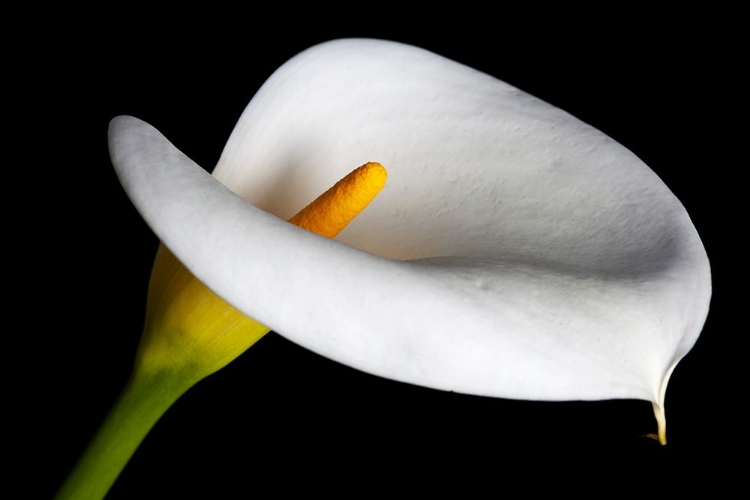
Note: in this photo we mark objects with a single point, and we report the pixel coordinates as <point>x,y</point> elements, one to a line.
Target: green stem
<point>143,401</point>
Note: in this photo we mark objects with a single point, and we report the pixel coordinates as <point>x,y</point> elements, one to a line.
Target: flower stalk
<point>145,398</point>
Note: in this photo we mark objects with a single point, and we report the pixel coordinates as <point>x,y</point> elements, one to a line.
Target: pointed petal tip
<point>659,412</point>
<point>661,421</point>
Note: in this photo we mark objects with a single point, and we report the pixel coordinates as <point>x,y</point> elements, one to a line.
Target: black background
<point>279,416</point>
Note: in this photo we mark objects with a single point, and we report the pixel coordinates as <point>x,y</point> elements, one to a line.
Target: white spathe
<point>515,251</point>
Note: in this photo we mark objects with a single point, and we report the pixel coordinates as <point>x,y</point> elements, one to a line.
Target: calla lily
<point>517,252</point>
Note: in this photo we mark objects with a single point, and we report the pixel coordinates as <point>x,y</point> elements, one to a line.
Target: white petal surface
<point>515,252</point>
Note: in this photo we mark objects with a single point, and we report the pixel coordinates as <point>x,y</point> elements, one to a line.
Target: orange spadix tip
<point>333,210</point>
